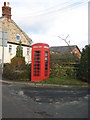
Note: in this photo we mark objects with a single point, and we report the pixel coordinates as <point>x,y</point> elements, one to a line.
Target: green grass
<point>63,81</point>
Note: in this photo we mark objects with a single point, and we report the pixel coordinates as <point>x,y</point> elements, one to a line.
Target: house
<point>66,49</point>
<point>15,35</point>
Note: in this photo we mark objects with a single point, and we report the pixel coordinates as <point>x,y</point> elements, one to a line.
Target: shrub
<point>63,65</point>
<point>18,61</point>
<point>8,71</point>
<point>62,71</point>
<point>84,66</point>
<point>16,73</point>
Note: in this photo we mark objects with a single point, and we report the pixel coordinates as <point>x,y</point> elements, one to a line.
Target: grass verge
<point>63,81</point>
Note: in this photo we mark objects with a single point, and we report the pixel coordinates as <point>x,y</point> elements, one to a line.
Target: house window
<point>27,51</point>
<point>10,49</point>
<point>18,37</point>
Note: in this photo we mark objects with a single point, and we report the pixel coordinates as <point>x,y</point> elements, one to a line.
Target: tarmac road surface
<point>20,101</point>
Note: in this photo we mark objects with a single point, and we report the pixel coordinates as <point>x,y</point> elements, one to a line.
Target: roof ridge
<point>65,46</point>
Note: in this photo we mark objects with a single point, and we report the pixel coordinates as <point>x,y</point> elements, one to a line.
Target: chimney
<point>6,10</point>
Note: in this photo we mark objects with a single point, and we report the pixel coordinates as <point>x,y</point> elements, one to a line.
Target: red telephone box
<point>40,62</point>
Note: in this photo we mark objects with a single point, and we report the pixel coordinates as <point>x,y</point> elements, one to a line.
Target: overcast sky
<point>43,21</point>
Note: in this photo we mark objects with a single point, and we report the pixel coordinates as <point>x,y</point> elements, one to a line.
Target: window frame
<point>10,49</point>
<point>28,51</point>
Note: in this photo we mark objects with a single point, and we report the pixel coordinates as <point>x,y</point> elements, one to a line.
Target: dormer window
<point>18,37</point>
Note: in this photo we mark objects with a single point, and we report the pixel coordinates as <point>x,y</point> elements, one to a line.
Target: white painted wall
<point>0,55</point>
<point>8,56</point>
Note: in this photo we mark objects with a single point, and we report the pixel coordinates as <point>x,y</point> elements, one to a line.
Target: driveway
<point>20,101</point>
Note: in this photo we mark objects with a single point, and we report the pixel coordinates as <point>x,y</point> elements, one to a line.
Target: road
<point>21,101</point>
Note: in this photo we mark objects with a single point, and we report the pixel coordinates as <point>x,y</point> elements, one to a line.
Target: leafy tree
<point>19,52</point>
<point>66,58</point>
<point>18,60</point>
<point>84,66</point>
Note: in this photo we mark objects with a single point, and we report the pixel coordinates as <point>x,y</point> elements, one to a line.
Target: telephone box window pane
<point>46,63</point>
<point>36,67</point>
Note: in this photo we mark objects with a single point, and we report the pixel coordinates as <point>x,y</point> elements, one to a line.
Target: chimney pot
<point>4,3</point>
<point>8,4</point>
